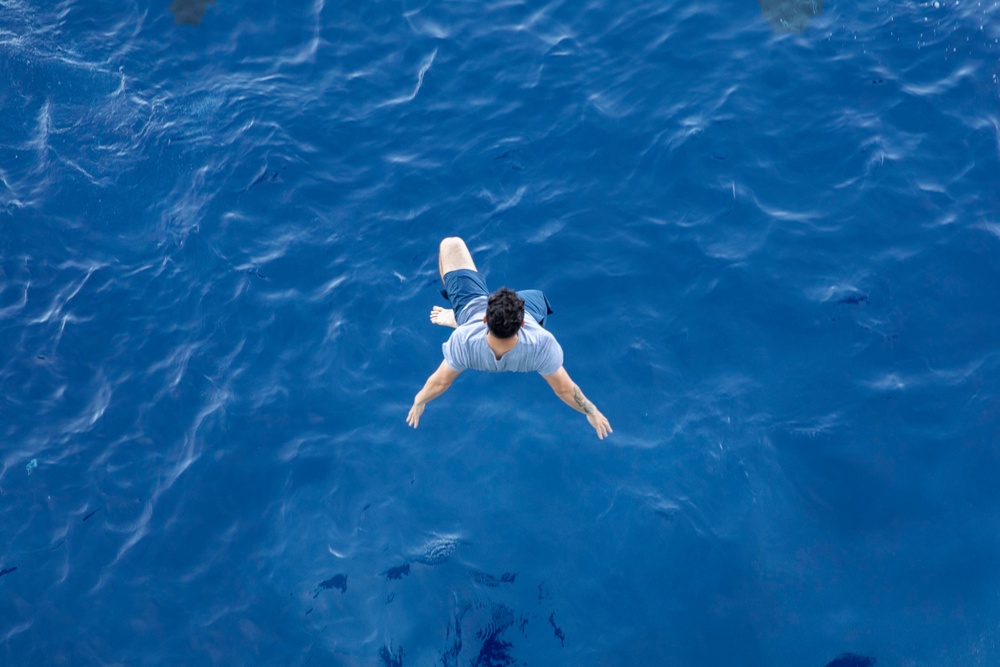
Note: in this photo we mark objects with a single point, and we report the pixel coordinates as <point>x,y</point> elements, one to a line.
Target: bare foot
<point>444,317</point>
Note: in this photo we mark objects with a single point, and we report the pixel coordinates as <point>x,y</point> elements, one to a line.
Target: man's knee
<point>453,244</point>
<point>454,255</point>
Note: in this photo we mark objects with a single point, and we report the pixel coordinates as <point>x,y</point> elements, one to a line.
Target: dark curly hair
<point>504,313</point>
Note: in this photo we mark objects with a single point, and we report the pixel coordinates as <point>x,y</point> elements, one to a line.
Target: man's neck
<point>500,346</point>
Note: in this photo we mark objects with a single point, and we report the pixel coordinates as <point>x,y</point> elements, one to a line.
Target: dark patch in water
<point>264,177</point>
<point>512,156</point>
<point>450,657</point>
<point>854,300</point>
<point>543,592</point>
<point>492,581</point>
<point>390,598</point>
<point>494,653</point>
<point>309,611</point>
<point>7,570</point>
<point>91,514</point>
<point>667,514</point>
<point>390,660</point>
<point>560,635</point>
<point>338,581</point>
<point>851,660</point>
<point>189,12</point>
<point>484,579</point>
<point>397,572</point>
<point>502,617</point>
<point>256,272</point>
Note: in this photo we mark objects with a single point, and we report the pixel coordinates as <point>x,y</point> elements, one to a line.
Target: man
<point>493,333</point>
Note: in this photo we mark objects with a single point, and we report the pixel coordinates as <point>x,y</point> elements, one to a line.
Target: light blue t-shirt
<point>536,349</point>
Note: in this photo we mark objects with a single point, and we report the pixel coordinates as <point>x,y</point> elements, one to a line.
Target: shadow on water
<point>790,15</point>
<point>851,660</point>
<point>189,12</point>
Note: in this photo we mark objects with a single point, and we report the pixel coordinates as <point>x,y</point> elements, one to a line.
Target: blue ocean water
<point>771,235</point>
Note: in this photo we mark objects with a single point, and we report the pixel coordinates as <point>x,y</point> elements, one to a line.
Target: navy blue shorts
<point>463,286</point>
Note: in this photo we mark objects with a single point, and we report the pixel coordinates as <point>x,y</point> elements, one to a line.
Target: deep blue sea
<point>770,232</point>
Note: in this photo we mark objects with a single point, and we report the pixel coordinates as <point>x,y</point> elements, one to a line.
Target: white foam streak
<point>424,68</point>
<point>933,378</point>
<point>61,299</point>
<point>15,308</point>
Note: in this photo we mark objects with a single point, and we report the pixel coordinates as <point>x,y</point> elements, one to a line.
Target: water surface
<point>770,232</point>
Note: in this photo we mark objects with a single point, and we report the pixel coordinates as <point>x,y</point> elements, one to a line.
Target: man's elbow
<point>565,394</point>
<point>565,388</point>
<point>442,384</point>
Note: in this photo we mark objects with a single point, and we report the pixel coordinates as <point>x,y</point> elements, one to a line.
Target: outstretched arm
<point>436,384</point>
<point>571,395</point>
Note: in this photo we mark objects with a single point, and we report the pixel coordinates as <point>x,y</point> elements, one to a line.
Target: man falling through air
<point>496,332</point>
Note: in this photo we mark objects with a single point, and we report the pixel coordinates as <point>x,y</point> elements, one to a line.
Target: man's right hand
<point>414,417</point>
<point>436,385</point>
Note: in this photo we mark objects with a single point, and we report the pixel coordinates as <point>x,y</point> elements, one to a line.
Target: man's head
<point>504,313</point>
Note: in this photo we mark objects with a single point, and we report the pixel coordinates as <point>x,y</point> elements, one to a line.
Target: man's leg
<point>452,255</point>
<point>536,303</point>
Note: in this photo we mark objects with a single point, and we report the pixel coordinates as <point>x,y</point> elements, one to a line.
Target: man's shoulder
<point>464,346</point>
<point>539,333</point>
<point>468,332</point>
